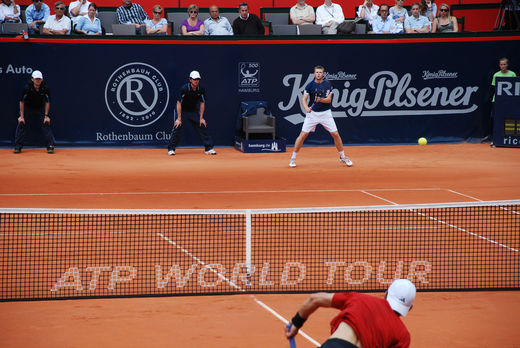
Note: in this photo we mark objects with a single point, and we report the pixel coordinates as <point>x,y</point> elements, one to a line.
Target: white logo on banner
<point>441,74</point>
<point>137,94</point>
<point>249,77</point>
<point>391,95</point>
<point>340,76</point>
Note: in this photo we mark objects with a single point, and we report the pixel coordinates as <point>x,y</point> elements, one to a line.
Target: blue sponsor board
<point>390,91</point>
<point>260,146</point>
<point>506,113</point>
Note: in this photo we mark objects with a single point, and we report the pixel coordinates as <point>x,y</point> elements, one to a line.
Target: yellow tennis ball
<point>423,141</point>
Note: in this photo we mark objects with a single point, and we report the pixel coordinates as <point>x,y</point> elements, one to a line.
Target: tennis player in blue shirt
<point>316,101</point>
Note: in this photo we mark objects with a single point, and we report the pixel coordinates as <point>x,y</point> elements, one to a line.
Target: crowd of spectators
<point>81,18</point>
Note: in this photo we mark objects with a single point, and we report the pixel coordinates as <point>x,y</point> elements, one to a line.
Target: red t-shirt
<point>372,319</point>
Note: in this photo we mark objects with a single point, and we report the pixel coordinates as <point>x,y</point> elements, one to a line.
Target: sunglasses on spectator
<point>194,11</point>
<point>444,10</point>
<point>157,12</point>
<point>60,8</point>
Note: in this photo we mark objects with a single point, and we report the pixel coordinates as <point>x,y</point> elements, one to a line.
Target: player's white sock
<point>293,157</point>
<point>342,154</point>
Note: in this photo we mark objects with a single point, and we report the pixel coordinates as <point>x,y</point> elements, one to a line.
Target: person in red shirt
<point>364,321</point>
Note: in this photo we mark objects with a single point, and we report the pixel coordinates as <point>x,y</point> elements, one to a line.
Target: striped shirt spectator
<point>129,13</point>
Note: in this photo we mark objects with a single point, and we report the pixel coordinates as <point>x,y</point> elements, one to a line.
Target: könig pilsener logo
<point>137,94</point>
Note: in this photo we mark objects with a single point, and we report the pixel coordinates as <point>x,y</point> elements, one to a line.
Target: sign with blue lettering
<point>420,89</point>
<point>506,113</point>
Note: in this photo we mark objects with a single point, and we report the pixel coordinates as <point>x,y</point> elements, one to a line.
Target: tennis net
<point>58,254</point>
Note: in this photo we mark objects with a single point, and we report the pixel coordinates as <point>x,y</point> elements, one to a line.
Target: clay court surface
<point>149,179</point>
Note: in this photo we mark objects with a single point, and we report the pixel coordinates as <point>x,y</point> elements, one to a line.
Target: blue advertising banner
<point>123,92</point>
<point>506,113</point>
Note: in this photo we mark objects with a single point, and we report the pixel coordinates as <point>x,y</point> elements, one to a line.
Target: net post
<point>248,243</point>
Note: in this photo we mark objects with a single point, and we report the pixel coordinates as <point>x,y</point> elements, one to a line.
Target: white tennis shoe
<point>292,163</point>
<point>171,152</point>
<point>346,160</point>
<point>210,152</point>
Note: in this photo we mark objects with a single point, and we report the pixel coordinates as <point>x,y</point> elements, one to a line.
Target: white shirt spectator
<point>370,13</point>
<point>325,13</point>
<point>83,10</point>
<point>63,23</point>
<point>399,16</point>
<point>382,26</point>
<point>217,27</point>
<point>8,11</point>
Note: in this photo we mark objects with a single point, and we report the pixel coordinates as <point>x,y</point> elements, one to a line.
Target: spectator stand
<point>280,16</point>
<point>271,16</point>
<point>461,22</point>
<point>107,16</point>
<point>175,16</point>
<point>16,29</point>
<point>477,17</point>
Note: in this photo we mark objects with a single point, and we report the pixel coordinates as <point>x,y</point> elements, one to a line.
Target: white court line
<point>451,225</point>
<point>207,192</point>
<point>285,321</point>
<point>468,232</point>
<point>381,198</point>
<point>464,195</point>
<point>236,286</point>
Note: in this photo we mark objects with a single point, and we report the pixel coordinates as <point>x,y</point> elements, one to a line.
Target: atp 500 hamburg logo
<point>137,94</point>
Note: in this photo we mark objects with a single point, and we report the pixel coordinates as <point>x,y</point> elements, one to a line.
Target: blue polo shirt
<point>31,14</point>
<point>416,23</point>
<point>321,90</point>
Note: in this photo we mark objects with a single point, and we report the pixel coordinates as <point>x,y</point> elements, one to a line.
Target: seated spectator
<point>58,24</point>
<point>329,16</point>
<point>9,12</point>
<point>445,23</point>
<point>192,25</point>
<point>384,24</point>
<point>36,15</point>
<point>416,23</point>
<point>216,25</point>
<point>133,14</point>
<point>301,13</point>
<point>428,9</point>
<point>89,24</point>
<point>157,25</point>
<point>78,9</point>
<point>368,11</point>
<point>399,14</point>
<point>247,23</point>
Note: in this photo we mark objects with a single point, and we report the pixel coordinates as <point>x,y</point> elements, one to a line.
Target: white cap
<point>37,74</point>
<point>400,296</point>
<point>194,74</point>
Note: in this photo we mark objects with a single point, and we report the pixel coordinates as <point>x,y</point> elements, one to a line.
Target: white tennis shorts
<point>315,118</point>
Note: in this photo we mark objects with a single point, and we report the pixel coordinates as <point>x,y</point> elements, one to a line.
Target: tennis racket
<point>292,342</point>
<point>316,96</point>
